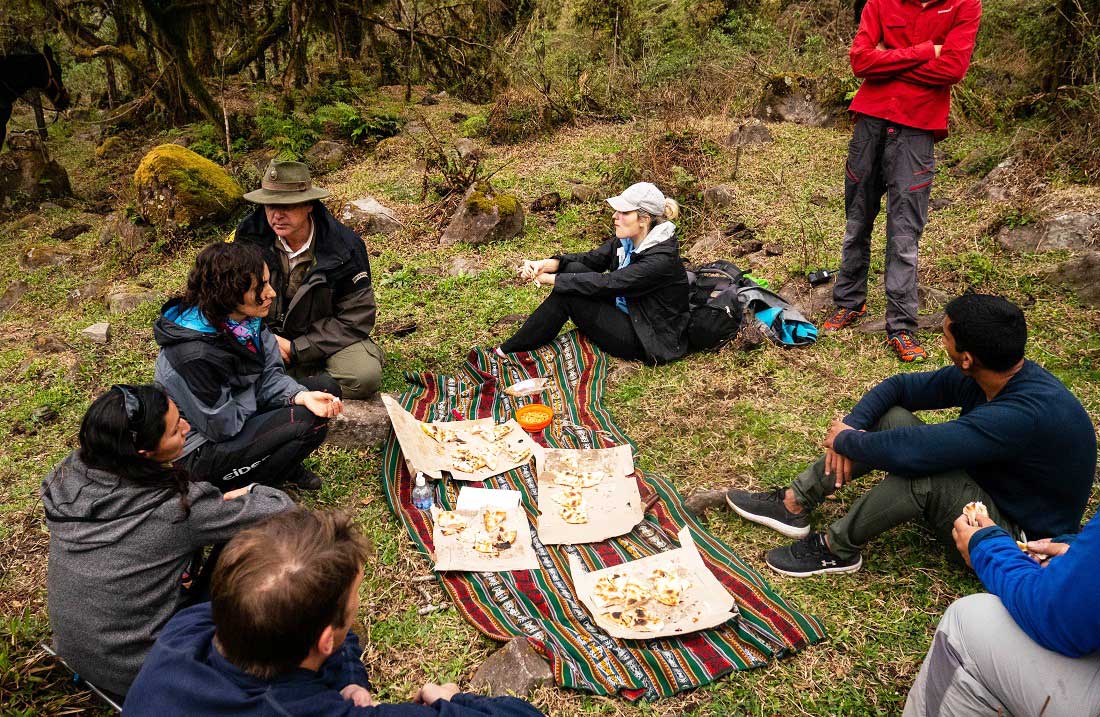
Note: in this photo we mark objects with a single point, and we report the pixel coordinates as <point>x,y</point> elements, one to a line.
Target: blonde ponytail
<point>672,209</point>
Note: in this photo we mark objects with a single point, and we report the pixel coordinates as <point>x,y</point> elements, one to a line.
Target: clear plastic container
<point>422,493</point>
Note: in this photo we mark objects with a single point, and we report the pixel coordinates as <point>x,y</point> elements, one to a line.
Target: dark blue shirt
<point>184,674</point>
<point>1056,604</point>
<point>1032,448</point>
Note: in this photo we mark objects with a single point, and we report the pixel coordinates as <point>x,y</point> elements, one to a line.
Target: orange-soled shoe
<point>843,318</point>
<point>906,347</point>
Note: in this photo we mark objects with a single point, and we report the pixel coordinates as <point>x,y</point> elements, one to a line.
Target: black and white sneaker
<point>810,556</point>
<point>767,509</point>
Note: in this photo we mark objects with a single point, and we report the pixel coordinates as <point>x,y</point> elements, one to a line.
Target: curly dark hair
<point>223,274</point>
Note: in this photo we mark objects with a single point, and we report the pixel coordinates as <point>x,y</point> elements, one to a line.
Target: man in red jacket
<point>909,54</point>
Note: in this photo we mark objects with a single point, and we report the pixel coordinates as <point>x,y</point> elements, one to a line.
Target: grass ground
<point>750,419</point>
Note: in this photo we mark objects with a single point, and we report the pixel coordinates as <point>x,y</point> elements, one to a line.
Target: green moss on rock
<point>177,187</point>
<point>483,200</point>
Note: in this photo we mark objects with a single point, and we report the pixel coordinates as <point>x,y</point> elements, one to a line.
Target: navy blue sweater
<point>1032,448</point>
<point>1056,604</point>
<point>184,674</point>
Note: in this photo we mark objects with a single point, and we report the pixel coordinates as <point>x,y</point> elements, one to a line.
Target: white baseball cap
<point>644,196</point>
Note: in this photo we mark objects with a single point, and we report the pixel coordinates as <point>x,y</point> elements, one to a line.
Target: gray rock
<point>712,245</point>
<point>515,669</point>
<point>999,185</point>
<point>773,250</point>
<point>120,229</point>
<point>468,150</point>
<point>484,217</point>
<point>327,155</point>
<point>123,299</point>
<point>809,300</point>
<point>751,132</point>
<point>932,298</point>
<point>1080,274</point>
<point>939,203</point>
<point>925,322</point>
<point>36,257</point>
<point>463,266</point>
<point>547,202</point>
<point>70,232</point>
<point>27,172</point>
<point>582,193</point>
<point>803,100</point>
<point>367,216</point>
<point>1074,231</point>
<point>415,128</point>
<point>705,500</point>
<point>12,295</point>
<point>97,333</point>
<point>94,289</point>
<point>722,195</point>
<point>363,424</point>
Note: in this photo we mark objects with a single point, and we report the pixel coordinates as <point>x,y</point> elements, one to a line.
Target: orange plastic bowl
<point>534,417</point>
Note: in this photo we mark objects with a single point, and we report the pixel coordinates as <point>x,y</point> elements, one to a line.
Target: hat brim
<point>621,204</point>
<point>267,196</point>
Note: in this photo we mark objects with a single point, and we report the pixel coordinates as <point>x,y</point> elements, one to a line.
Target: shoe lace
<point>812,546</point>
<point>906,340</point>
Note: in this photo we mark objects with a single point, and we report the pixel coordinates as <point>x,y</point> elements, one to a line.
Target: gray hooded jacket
<point>117,551</point>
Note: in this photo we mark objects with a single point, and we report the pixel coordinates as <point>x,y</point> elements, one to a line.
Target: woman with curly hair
<point>125,525</point>
<point>250,422</point>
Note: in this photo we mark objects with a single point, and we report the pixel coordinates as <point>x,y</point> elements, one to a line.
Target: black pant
<point>269,449</point>
<point>597,318</point>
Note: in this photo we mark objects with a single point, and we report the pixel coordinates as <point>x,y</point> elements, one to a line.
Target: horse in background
<point>21,72</point>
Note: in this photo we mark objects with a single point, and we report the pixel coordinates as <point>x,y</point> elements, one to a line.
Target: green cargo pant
<point>357,368</point>
<point>937,499</point>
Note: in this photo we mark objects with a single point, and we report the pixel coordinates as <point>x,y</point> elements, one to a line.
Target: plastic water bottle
<point>422,493</point>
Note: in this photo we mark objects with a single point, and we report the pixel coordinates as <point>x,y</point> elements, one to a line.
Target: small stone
<point>429,100</point>
<point>752,132</point>
<point>510,320</point>
<point>124,299</point>
<point>458,117</point>
<point>1079,274</point>
<point>327,155</point>
<point>111,148</point>
<point>1000,185</point>
<point>740,230</point>
<point>362,425</point>
<point>939,203</point>
<point>368,216</point>
<point>712,245</point>
<point>515,669</point>
<point>94,289</point>
<point>36,257</point>
<point>12,295</point>
<point>722,195</point>
<point>751,246</point>
<point>773,250</point>
<point>44,414</point>
<point>819,200</point>
<point>582,193</point>
<point>485,216</point>
<point>464,266</point>
<point>70,232</point>
<point>468,150</point>
<point>547,202</point>
<point>49,345</point>
<point>932,298</point>
<point>98,333</point>
<point>705,500</point>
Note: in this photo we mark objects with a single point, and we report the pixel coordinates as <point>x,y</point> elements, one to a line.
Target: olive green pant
<point>937,499</point>
<point>357,368</point>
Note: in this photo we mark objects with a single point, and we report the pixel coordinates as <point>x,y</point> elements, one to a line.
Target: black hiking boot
<point>767,509</point>
<point>810,556</point>
<point>307,480</point>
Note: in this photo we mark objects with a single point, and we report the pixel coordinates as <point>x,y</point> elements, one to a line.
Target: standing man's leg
<point>863,190</point>
<point>982,663</point>
<point>908,167</point>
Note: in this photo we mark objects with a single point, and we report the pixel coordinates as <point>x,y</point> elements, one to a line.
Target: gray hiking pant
<point>885,158</point>
<point>982,663</point>
<point>937,500</point>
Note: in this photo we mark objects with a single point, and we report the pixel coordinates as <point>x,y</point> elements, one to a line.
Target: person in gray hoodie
<point>125,526</point>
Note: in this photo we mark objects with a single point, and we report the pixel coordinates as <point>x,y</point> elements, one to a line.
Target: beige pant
<point>357,368</point>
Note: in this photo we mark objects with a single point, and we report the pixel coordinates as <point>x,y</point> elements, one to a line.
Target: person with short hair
<point>324,307</point>
<point>276,638</point>
<point>1031,646</point>
<point>908,54</point>
<point>1022,444</point>
<point>250,422</point>
<point>629,296</point>
<point>125,527</point>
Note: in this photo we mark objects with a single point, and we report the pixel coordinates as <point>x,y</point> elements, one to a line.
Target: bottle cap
<point>420,479</point>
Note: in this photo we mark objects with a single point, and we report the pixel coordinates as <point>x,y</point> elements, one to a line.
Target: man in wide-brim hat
<point>325,308</point>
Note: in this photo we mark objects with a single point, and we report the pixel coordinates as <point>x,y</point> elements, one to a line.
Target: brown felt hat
<point>286,182</point>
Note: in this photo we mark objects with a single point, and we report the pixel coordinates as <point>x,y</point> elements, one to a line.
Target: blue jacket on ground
<point>184,674</point>
<point>1032,448</point>
<point>1055,605</point>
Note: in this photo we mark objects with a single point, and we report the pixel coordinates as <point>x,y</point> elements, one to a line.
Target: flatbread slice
<point>570,498</point>
<point>576,515</point>
<point>495,433</point>
<point>974,510</point>
<point>667,588</point>
<point>450,522</point>
<point>468,461</point>
<point>520,454</point>
<point>504,538</point>
<point>438,433</point>
<point>608,590</point>
<point>638,617</point>
<point>493,519</point>
<point>635,593</point>
<point>486,546</point>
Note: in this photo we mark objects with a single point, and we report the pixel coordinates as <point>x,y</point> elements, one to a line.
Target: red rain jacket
<point>906,83</point>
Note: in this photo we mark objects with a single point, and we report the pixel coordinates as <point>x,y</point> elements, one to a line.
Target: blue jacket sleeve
<point>461,705</point>
<point>996,432</point>
<point>1055,605</point>
<point>344,667</point>
<point>925,391</point>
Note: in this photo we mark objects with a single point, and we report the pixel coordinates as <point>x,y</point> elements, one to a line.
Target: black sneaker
<point>767,509</point>
<point>307,480</point>
<point>810,556</point>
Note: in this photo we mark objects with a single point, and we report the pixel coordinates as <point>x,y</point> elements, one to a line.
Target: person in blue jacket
<point>1022,444</point>
<point>275,640</point>
<point>1029,646</point>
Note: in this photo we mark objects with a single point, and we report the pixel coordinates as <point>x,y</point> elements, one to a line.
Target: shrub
<point>474,126</point>
<point>517,115</point>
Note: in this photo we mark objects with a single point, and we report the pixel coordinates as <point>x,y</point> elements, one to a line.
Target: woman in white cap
<point>629,296</point>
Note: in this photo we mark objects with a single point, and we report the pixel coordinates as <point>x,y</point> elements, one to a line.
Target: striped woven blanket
<point>541,604</point>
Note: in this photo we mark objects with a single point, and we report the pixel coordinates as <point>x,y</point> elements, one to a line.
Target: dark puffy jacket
<point>654,284</point>
<point>334,307</point>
